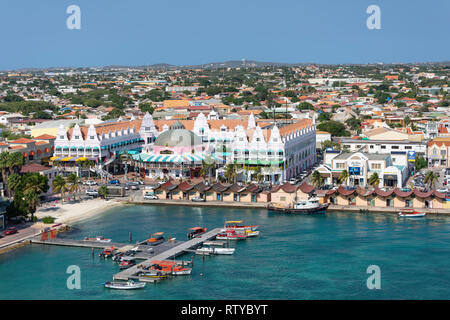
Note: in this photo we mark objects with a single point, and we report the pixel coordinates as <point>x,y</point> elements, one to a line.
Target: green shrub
<point>48,219</point>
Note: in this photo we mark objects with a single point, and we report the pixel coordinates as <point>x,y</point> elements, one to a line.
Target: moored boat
<point>411,214</point>
<point>169,267</point>
<point>236,225</point>
<point>310,206</point>
<point>129,285</point>
<point>97,239</point>
<point>232,235</point>
<point>211,251</point>
<point>226,251</point>
<point>196,232</point>
<point>107,253</point>
<point>127,262</point>
<point>156,238</point>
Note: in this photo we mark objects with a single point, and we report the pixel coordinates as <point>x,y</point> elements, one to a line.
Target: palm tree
<point>258,174</point>
<point>74,183</point>
<point>32,201</point>
<point>9,163</point>
<point>343,176</point>
<point>103,191</point>
<point>430,178</point>
<point>14,183</point>
<point>207,165</point>
<point>230,172</point>
<point>60,186</point>
<point>374,179</point>
<point>317,179</point>
<point>15,161</point>
<point>4,168</point>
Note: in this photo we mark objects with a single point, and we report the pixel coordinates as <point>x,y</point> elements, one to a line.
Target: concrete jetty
<point>177,249</point>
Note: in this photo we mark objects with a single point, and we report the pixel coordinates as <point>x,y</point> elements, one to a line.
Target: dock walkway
<point>173,252</point>
<point>78,243</point>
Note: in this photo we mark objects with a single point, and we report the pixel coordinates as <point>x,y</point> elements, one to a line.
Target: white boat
<point>411,214</point>
<point>98,239</point>
<point>208,251</point>
<point>224,250</point>
<point>251,233</point>
<point>204,251</point>
<point>129,285</point>
<point>310,206</point>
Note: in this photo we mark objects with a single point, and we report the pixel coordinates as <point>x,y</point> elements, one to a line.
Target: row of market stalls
<point>381,197</point>
<point>287,193</point>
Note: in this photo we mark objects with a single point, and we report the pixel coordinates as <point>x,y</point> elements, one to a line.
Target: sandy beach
<point>68,213</point>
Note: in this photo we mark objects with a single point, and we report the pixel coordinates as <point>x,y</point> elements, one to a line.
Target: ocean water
<point>295,257</point>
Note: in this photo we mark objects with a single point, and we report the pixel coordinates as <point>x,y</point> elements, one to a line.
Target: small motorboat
<point>97,239</point>
<point>107,253</point>
<point>180,271</point>
<point>129,285</point>
<point>170,267</point>
<point>156,238</point>
<point>196,232</point>
<point>411,214</point>
<point>210,251</point>
<point>118,256</point>
<point>204,251</point>
<point>232,235</point>
<point>152,275</point>
<point>226,251</point>
<point>251,233</point>
<point>127,262</point>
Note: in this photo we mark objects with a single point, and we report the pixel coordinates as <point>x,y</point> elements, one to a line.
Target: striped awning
<point>66,159</point>
<point>163,158</point>
<point>54,158</point>
<point>81,159</point>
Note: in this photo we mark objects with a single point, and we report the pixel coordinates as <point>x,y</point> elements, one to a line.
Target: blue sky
<point>141,32</point>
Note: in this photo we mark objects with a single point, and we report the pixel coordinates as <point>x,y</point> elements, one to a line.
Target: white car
<point>442,190</point>
<point>93,193</point>
<point>198,199</point>
<point>91,183</point>
<point>150,197</point>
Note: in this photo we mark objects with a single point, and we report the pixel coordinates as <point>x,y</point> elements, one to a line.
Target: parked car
<point>10,230</point>
<point>91,192</point>
<point>150,197</point>
<point>134,187</point>
<point>91,183</point>
<point>293,181</point>
<point>115,181</point>
<point>442,190</point>
<point>198,199</point>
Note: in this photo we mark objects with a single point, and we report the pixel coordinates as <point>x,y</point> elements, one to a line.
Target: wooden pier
<point>177,249</point>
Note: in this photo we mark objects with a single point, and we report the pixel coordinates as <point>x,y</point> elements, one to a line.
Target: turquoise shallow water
<point>296,257</point>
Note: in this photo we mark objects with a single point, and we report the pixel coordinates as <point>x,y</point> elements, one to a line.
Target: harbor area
<point>156,255</point>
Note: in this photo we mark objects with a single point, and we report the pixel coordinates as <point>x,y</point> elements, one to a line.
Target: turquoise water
<point>296,257</point>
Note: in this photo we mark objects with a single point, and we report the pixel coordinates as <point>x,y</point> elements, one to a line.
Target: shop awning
<point>66,159</point>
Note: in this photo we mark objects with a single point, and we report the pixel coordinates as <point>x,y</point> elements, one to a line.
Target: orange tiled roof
<point>44,137</point>
<point>22,140</point>
<point>291,128</point>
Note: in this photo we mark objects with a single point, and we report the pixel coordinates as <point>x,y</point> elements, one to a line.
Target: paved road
<point>26,231</point>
